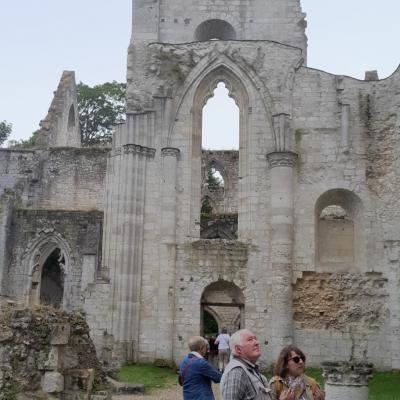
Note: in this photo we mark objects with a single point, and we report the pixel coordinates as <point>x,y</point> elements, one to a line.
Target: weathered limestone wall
<point>58,178</point>
<point>61,128</point>
<point>178,21</point>
<point>72,179</point>
<point>344,134</point>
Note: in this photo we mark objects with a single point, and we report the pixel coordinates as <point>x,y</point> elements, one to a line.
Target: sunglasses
<point>296,359</point>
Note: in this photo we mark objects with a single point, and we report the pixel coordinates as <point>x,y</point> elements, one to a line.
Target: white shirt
<point>223,341</point>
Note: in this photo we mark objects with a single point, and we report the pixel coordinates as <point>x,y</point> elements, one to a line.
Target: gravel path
<point>173,393</point>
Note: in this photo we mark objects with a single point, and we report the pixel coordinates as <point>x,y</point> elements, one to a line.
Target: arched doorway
<point>224,301</point>
<point>48,282</point>
<point>52,280</point>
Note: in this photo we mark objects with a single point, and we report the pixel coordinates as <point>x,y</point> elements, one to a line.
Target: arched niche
<point>338,231</point>
<point>214,29</point>
<point>226,302</point>
<point>71,118</point>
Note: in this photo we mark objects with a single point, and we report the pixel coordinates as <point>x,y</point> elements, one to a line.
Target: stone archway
<point>48,262</point>
<point>225,301</point>
<point>52,280</point>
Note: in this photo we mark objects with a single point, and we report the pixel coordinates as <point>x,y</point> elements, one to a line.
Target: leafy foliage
<point>213,178</point>
<point>5,130</point>
<point>24,144</point>
<point>206,208</point>
<point>100,108</point>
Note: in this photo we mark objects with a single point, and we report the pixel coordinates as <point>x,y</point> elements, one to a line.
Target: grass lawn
<point>383,385</point>
<point>150,376</point>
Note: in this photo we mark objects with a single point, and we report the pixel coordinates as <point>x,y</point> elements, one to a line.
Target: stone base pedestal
<point>346,380</point>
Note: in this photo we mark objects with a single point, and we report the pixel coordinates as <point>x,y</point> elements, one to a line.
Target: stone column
<point>281,249</point>
<point>123,238</point>
<point>6,208</point>
<point>166,289</point>
<point>346,380</point>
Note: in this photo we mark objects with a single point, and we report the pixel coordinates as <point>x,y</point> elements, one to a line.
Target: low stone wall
<point>48,354</point>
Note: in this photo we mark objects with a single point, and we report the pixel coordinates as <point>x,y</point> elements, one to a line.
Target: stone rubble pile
<point>48,354</point>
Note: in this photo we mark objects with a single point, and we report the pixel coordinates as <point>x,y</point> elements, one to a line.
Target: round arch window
<point>214,29</point>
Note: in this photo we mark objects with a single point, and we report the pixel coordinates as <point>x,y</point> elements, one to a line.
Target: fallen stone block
<point>125,388</point>
<point>52,382</point>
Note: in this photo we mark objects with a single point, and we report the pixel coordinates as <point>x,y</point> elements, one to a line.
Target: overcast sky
<point>41,38</point>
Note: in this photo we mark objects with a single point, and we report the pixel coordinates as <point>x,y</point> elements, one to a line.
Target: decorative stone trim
<point>347,373</point>
<point>116,152</point>
<point>282,159</point>
<point>137,149</point>
<point>170,152</point>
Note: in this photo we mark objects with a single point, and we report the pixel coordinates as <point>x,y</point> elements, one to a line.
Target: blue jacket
<point>197,378</point>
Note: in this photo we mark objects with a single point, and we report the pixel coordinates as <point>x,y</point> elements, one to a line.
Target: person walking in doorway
<point>222,341</point>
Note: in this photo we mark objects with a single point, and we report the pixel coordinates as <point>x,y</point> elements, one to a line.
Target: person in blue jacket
<point>196,373</point>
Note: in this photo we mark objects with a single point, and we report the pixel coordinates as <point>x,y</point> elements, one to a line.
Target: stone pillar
<point>123,237</point>
<point>166,289</point>
<point>6,208</point>
<point>346,380</point>
<point>392,251</point>
<point>281,249</point>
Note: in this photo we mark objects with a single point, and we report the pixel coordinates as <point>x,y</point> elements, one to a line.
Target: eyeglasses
<point>296,359</point>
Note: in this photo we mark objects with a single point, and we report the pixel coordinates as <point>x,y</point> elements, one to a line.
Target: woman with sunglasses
<point>289,381</point>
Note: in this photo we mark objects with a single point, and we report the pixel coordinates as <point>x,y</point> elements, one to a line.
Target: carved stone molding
<point>137,149</point>
<point>282,159</point>
<point>116,152</point>
<point>347,373</point>
<point>170,152</point>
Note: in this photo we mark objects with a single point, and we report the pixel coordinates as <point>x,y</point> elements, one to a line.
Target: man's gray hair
<point>237,339</point>
<point>196,343</point>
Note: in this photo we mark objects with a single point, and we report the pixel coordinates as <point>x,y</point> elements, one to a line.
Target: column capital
<point>282,159</point>
<point>137,149</point>
<point>170,152</point>
<point>347,373</point>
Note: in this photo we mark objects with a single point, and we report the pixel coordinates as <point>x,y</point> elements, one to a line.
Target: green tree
<point>5,130</point>
<point>100,108</point>
<point>24,144</point>
<point>213,179</point>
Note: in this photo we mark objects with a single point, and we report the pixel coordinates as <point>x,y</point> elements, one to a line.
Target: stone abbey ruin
<point>302,242</point>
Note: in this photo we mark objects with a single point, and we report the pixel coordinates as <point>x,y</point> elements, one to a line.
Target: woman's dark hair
<point>281,366</point>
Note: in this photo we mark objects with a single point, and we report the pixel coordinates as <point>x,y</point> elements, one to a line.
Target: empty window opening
<point>71,118</point>
<point>214,29</point>
<point>220,121</point>
<point>52,280</point>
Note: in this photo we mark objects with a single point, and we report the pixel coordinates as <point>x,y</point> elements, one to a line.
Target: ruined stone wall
<point>71,179</point>
<point>178,21</point>
<point>35,234</point>
<point>48,354</point>
<point>344,134</point>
